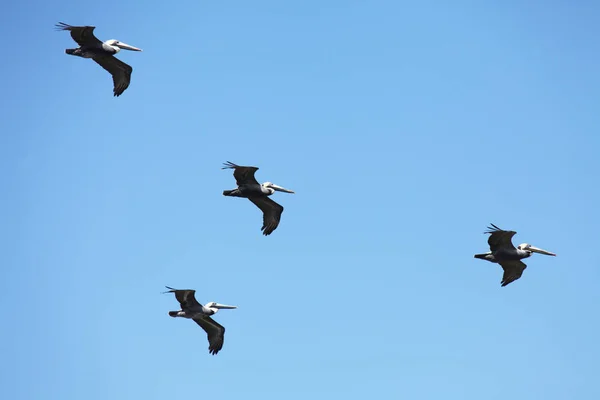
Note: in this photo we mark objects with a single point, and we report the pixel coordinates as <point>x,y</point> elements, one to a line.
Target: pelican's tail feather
<point>70,51</point>
<point>234,193</point>
<point>486,256</point>
<point>173,313</point>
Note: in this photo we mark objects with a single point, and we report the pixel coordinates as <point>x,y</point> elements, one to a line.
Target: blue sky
<point>405,128</point>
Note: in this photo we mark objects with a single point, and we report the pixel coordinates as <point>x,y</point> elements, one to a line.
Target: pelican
<point>191,309</point>
<point>504,253</point>
<point>249,188</point>
<point>102,53</point>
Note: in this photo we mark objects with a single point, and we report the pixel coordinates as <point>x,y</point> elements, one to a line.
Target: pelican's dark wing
<point>512,271</point>
<point>242,175</point>
<point>186,298</point>
<point>215,333</point>
<point>500,239</point>
<point>271,213</point>
<point>120,72</point>
<point>83,35</point>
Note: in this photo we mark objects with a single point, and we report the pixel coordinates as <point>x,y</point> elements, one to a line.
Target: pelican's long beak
<point>125,46</point>
<point>281,189</point>
<point>224,307</point>
<point>541,251</point>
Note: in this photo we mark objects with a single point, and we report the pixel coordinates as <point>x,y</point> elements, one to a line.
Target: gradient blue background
<point>405,128</point>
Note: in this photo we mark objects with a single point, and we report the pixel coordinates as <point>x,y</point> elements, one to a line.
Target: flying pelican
<point>191,309</point>
<point>249,188</point>
<point>101,52</point>
<point>504,253</point>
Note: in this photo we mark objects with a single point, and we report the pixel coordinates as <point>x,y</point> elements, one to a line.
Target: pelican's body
<point>102,53</point>
<point>249,188</point>
<point>191,309</point>
<point>503,252</point>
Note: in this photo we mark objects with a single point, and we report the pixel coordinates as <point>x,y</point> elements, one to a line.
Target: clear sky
<point>405,128</point>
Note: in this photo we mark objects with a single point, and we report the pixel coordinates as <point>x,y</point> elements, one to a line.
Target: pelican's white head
<point>529,248</point>
<point>217,306</point>
<point>118,45</point>
<point>271,187</point>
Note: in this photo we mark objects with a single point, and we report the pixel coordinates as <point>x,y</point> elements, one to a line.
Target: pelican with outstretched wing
<point>103,53</point>
<point>191,309</point>
<point>249,188</point>
<point>504,253</point>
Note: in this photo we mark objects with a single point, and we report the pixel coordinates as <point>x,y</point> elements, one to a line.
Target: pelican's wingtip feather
<point>228,165</point>
<point>61,26</point>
